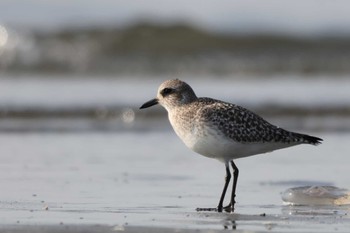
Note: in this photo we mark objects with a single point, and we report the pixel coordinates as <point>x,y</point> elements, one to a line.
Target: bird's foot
<point>229,208</point>
<point>208,209</point>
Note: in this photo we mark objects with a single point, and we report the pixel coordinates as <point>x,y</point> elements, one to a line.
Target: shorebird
<point>221,130</point>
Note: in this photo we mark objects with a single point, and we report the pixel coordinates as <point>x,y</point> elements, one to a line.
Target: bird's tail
<point>310,139</point>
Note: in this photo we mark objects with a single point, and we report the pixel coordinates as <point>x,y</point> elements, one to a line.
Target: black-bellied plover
<point>221,130</point>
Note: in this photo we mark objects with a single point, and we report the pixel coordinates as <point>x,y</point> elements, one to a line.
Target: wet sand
<point>314,221</point>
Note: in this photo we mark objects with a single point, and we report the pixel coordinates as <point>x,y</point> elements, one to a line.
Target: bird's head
<point>172,94</point>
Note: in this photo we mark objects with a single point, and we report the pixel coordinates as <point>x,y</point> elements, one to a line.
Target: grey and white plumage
<point>221,130</point>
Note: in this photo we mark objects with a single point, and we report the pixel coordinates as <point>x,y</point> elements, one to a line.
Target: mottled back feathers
<point>242,125</point>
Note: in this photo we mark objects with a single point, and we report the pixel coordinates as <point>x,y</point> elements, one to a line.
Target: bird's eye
<point>166,91</point>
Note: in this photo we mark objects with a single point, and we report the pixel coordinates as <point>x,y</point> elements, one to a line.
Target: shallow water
<point>81,91</point>
<point>151,179</point>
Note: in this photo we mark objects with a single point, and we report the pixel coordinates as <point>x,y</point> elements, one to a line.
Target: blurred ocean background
<point>75,72</point>
<point>101,59</point>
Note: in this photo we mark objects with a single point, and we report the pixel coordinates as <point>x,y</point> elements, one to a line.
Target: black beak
<point>149,103</point>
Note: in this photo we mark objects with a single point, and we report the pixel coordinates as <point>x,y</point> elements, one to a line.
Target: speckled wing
<point>242,125</point>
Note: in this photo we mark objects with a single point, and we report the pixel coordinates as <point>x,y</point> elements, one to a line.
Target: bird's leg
<point>227,181</point>
<point>231,206</point>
